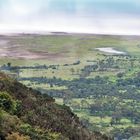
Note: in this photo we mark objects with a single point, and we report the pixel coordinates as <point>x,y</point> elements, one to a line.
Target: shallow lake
<point>110,50</point>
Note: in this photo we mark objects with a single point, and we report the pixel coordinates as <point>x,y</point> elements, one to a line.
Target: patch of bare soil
<point>22,54</point>
<point>16,51</point>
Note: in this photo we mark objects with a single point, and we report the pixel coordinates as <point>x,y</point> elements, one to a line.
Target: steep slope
<point>26,114</point>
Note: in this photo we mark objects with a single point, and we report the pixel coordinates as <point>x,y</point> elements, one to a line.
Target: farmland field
<point>97,76</point>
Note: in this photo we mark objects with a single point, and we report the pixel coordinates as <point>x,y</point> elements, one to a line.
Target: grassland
<point>64,49</point>
<point>66,57</point>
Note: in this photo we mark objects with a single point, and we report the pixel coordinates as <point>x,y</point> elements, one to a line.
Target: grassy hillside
<point>26,114</point>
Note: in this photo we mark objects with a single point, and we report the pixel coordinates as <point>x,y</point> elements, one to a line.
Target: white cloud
<point>20,9</point>
<point>34,15</point>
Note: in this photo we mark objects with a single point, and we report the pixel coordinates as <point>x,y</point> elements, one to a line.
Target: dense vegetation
<point>27,114</point>
<point>102,88</point>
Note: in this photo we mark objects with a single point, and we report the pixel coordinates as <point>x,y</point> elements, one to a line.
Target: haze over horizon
<point>77,16</point>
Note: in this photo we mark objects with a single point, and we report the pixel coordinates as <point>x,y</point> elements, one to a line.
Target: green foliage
<point>6,102</point>
<point>102,87</point>
<point>27,114</point>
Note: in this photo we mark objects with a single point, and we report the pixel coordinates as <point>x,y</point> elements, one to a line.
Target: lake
<point>110,50</point>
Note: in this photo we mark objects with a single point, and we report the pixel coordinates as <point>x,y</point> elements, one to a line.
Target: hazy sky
<point>88,16</point>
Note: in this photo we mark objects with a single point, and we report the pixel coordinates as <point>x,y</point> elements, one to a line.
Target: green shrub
<point>6,102</point>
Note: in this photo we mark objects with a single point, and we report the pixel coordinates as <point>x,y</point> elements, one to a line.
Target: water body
<point>110,50</point>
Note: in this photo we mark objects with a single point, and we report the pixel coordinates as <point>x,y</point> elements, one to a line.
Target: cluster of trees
<point>27,114</point>
<point>97,87</point>
<point>117,109</point>
<point>9,66</point>
<point>118,99</point>
<point>109,63</point>
<point>130,133</point>
<point>101,89</point>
